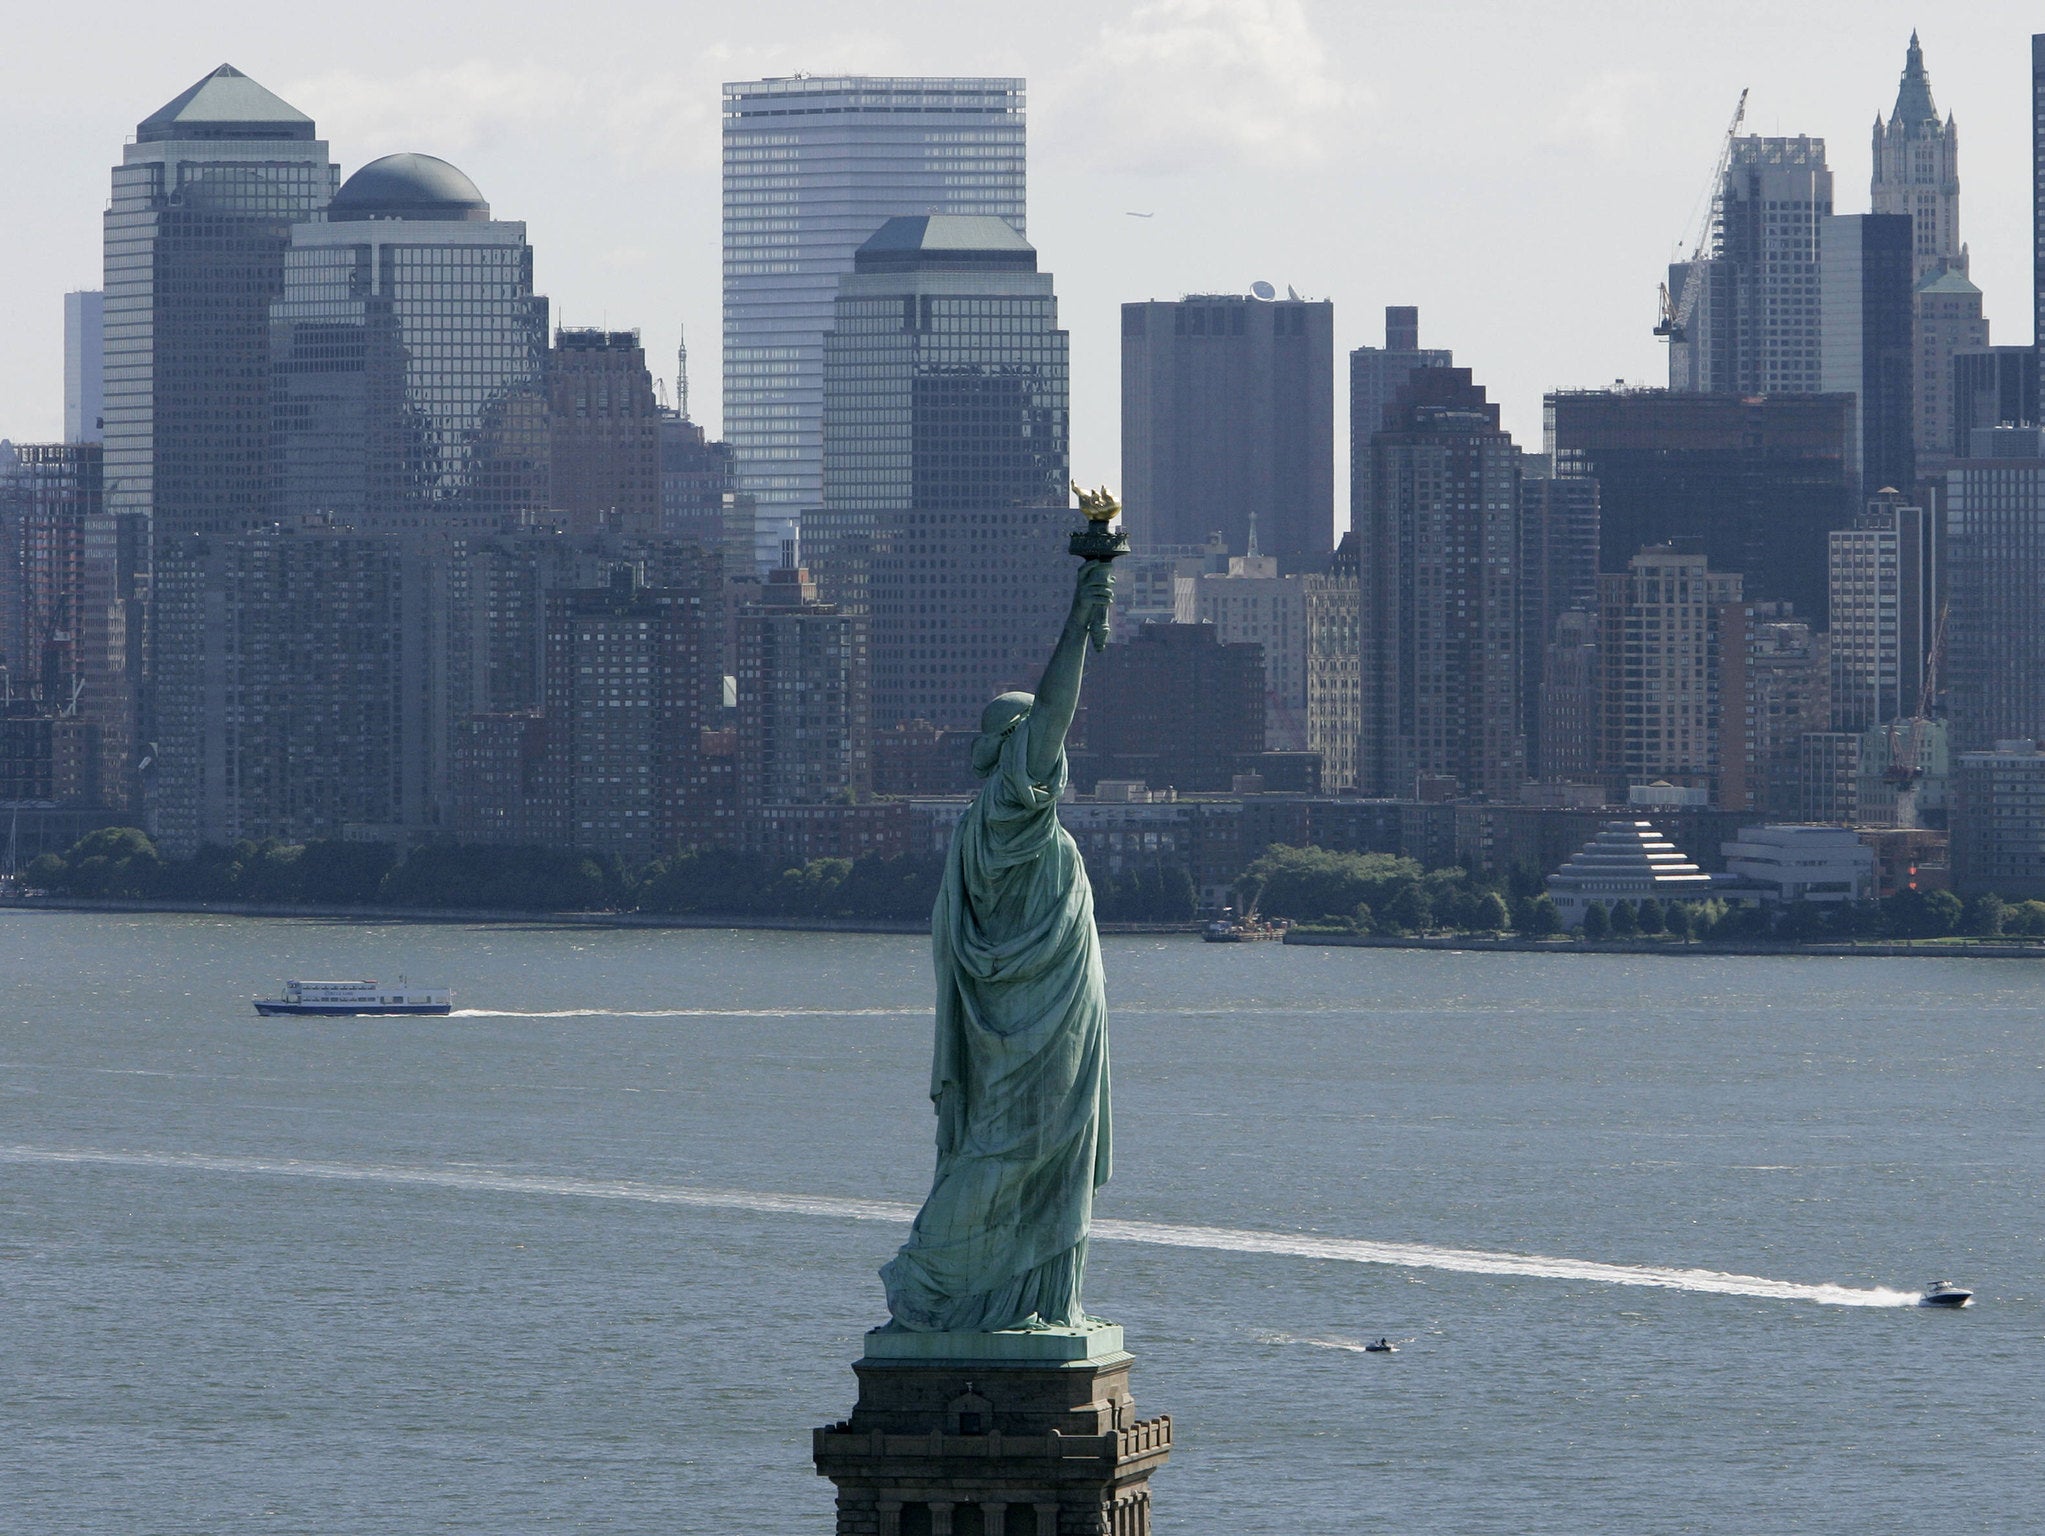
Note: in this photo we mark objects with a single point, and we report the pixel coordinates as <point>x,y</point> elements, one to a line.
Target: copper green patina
<point>1020,1076</point>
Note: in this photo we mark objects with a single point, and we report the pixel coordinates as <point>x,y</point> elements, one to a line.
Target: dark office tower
<point>1228,414</point>
<point>1868,336</point>
<point>1995,570</point>
<point>945,464</point>
<point>813,165</point>
<point>1558,566</point>
<point>698,486</point>
<point>1753,329</point>
<point>2038,196</point>
<point>1174,708</point>
<point>1440,621</point>
<point>410,357</point>
<point>1992,387</point>
<point>805,727</point>
<point>1761,481</point>
<point>605,431</point>
<point>1569,703</point>
<point>202,209</point>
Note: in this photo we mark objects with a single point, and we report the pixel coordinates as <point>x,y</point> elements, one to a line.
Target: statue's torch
<point>1097,541</point>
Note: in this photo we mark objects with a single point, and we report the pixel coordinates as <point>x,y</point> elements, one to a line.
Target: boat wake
<point>1162,1234</point>
<point>687,1013</point>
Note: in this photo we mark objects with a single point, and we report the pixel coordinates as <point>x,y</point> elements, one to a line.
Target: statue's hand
<point>1096,590</point>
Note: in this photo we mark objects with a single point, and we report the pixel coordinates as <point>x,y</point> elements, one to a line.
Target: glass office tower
<point>812,167</point>
<point>410,356</point>
<point>945,437</point>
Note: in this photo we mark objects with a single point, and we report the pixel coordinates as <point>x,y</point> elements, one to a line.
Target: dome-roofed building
<point>1627,861</point>
<point>409,187</point>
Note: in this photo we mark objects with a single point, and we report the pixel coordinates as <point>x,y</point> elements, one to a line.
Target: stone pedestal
<point>1022,1433</point>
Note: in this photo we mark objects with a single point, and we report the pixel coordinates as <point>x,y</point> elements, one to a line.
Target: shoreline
<point>1836,949</point>
<point>471,916</point>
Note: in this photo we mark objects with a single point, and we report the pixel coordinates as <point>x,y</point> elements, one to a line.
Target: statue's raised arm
<point>1058,691</point>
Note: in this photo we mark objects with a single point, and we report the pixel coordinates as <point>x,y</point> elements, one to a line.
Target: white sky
<point>1521,171</point>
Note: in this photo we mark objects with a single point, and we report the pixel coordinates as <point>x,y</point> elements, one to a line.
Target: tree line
<point>124,863</point>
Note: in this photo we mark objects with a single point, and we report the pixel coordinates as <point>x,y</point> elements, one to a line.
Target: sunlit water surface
<point>596,1253</point>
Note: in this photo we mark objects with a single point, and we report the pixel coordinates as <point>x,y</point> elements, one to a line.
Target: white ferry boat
<point>346,999</point>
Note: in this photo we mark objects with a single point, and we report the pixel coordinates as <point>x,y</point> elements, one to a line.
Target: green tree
<point>1491,915</point>
<point>1985,916</point>
<point>1362,919</point>
<point>1304,883</point>
<point>1625,920</point>
<point>1676,921</point>
<point>2026,919</point>
<point>342,874</point>
<point>114,861</point>
<point>1596,923</point>
<point>1543,920</point>
<point>1921,914</point>
<point>1409,909</point>
<point>1652,917</point>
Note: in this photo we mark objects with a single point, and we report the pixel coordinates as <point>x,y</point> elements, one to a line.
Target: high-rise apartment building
<point>812,167</point>
<point>1335,665</point>
<point>1174,708</point>
<point>1228,415</point>
<point>1661,627</point>
<point>1773,692</point>
<point>1762,481</point>
<point>1440,595</point>
<point>628,694</point>
<point>606,433</point>
<point>2038,203</point>
<point>946,471</point>
<point>1916,160</point>
<point>805,722</point>
<point>1753,326</point>
<point>1868,340</point>
<point>1569,705</point>
<point>410,358</point>
<point>1879,584</point>
<point>85,366</point>
<point>1375,377</point>
<point>1995,570</point>
<point>1253,604</point>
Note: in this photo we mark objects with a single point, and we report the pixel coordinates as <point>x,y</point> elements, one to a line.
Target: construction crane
<point>1674,322</point>
<point>1907,737</point>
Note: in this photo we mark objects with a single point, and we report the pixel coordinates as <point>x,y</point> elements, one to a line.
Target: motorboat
<point>1381,1347</point>
<point>1943,1293</point>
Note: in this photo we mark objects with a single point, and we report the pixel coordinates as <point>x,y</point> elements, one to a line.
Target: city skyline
<point>614,164</point>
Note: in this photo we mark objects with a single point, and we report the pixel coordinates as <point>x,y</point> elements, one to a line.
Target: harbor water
<point>595,1253</point>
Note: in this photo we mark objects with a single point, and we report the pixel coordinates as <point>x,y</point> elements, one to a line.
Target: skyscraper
<point>1995,570</point>
<point>1879,582</point>
<point>1253,604</point>
<point>1754,326</point>
<point>1867,325</point>
<point>85,366</point>
<point>1375,374</point>
<point>1948,322</point>
<point>1558,570</point>
<point>805,723</point>
<point>410,357</point>
<point>1228,415</point>
<point>1335,666</point>
<point>812,167</point>
<point>1440,622</point>
<point>945,454</point>
<point>1917,172</point>
<point>203,205</point>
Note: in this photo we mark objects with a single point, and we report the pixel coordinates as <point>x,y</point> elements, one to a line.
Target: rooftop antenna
<point>1253,536</point>
<point>682,374</point>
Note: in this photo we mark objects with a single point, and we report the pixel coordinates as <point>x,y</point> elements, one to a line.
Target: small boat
<point>1943,1293</point>
<point>1246,930</point>
<point>352,999</point>
<point>1382,1347</point>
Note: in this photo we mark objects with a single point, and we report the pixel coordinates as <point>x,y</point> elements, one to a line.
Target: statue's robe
<point>1020,1075</point>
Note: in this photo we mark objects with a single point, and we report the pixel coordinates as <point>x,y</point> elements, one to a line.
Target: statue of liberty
<point>1020,1076</point>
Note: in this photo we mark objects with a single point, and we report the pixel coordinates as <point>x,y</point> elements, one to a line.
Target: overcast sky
<point>1521,171</point>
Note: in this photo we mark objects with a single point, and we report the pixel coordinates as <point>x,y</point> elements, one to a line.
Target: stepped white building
<point>1627,861</point>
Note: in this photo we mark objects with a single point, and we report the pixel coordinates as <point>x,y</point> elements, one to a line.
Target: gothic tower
<point>1917,170</point>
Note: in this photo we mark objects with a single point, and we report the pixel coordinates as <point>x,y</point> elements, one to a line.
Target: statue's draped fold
<point>1020,1076</point>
